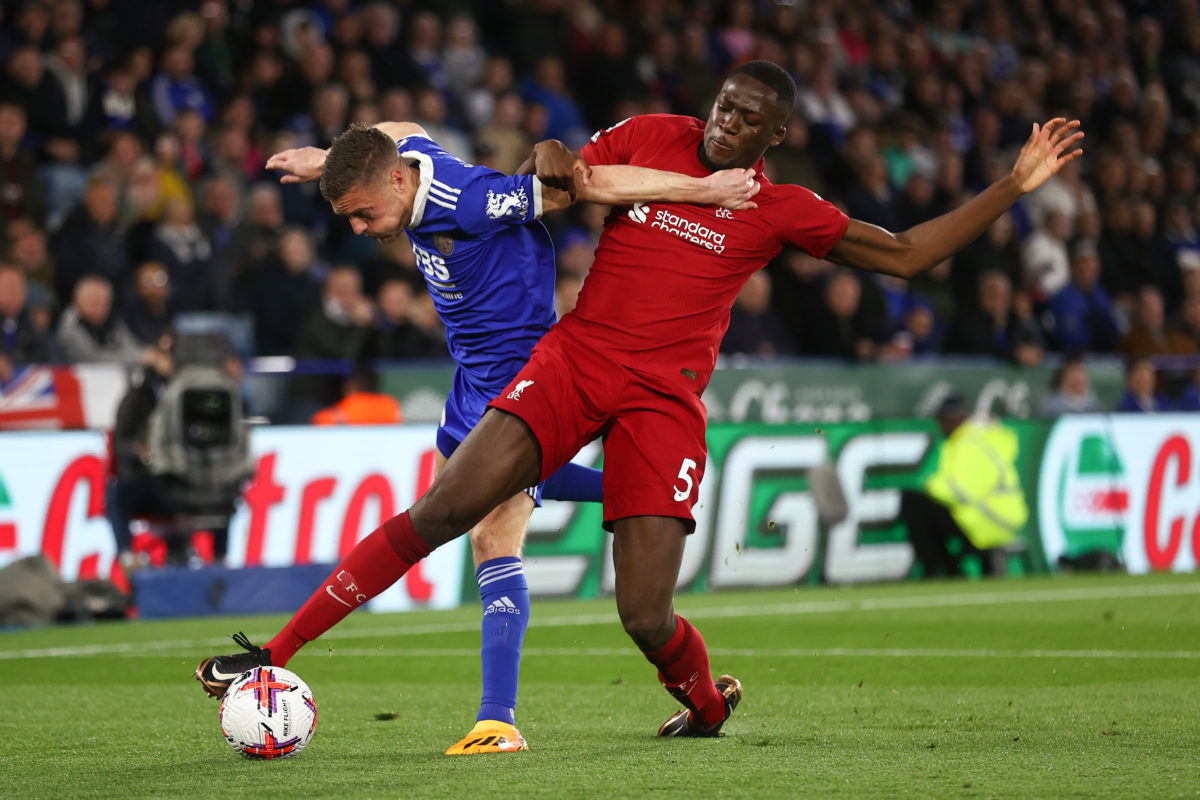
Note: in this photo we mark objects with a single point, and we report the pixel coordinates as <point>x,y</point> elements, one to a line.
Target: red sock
<point>683,669</point>
<point>373,565</point>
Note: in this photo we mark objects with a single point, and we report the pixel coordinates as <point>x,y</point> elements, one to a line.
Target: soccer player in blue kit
<point>489,266</point>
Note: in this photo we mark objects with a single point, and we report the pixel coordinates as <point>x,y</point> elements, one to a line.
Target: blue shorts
<point>464,408</point>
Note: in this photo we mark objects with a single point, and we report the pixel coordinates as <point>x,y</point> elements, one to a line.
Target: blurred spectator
<point>147,309</point>
<point>463,59</point>
<point>573,250</point>
<point>508,144</point>
<point>256,237</point>
<point>337,330</point>
<point>1141,393</point>
<point>90,241</point>
<point>920,333</point>
<point>175,87</point>
<point>28,251</point>
<point>201,283</point>
<point>1148,335</point>
<point>843,329</point>
<point>497,80</point>
<point>282,292</point>
<point>997,250</point>
<point>362,403</point>
<point>1084,317</point>
<point>994,328</point>
<point>425,48</point>
<point>21,340</point>
<point>119,106</point>
<point>1071,391</point>
<point>1188,325</point>
<point>1045,258</point>
<point>823,105</point>
<point>67,64</point>
<point>390,64</point>
<point>606,77</point>
<point>90,332</point>
<point>29,86</point>
<point>566,293</point>
<point>393,335</point>
<point>871,198</point>
<point>431,115</point>
<point>548,88</point>
<point>1189,397</point>
<point>1154,259</point>
<point>697,66</point>
<point>21,193</point>
<point>793,161</point>
<point>754,329</point>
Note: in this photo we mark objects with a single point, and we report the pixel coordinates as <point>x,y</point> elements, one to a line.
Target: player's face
<point>743,123</point>
<point>379,209</point>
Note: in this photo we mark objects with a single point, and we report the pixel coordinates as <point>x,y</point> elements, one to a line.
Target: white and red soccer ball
<point>268,712</point>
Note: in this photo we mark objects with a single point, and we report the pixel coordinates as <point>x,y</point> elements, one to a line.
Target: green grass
<point>1054,688</point>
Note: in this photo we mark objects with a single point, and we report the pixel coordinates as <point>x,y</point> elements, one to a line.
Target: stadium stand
<point>134,132</point>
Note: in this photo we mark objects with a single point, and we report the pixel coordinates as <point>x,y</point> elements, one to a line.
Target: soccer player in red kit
<point>630,362</point>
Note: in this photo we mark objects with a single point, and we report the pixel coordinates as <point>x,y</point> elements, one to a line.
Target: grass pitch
<point>1055,688</point>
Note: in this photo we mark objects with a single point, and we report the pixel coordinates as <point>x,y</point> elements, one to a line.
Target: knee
<point>650,629</point>
<point>487,544</point>
<point>438,519</point>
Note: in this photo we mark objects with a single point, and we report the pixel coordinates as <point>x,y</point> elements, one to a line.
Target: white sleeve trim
<point>537,198</point>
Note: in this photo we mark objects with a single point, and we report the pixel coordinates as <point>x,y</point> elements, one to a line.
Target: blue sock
<point>574,482</point>
<point>505,598</point>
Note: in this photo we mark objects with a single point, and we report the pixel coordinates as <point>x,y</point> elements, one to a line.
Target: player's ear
<point>780,132</point>
<point>397,179</point>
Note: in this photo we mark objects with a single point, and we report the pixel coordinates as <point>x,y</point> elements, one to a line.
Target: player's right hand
<point>303,164</point>
<point>732,189</point>
<point>560,168</point>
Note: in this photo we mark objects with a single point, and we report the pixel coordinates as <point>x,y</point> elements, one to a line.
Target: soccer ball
<point>268,712</point>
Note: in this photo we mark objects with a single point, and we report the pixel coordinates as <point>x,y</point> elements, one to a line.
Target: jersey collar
<point>424,166</point>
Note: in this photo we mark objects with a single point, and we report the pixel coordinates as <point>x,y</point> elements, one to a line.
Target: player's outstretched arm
<point>305,164</point>
<point>928,244</point>
<point>569,177</point>
<point>619,184</point>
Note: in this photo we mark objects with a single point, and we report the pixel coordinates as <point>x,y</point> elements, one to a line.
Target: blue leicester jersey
<point>486,257</point>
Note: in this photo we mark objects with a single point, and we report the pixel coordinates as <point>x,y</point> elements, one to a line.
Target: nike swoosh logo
<point>223,676</point>
<point>329,591</point>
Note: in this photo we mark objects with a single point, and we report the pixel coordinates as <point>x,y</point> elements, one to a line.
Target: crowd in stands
<point>133,136</point>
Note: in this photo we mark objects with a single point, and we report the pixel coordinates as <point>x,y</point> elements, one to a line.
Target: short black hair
<point>775,78</point>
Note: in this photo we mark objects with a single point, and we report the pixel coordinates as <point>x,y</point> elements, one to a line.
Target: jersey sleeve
<point>809,221</point>
<point>611,145</point>
<point>496,199</point>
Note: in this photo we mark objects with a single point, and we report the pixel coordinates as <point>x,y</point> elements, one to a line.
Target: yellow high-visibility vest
<point>977,479</point>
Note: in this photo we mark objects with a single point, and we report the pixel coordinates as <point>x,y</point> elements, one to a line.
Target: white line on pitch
<point>1064,594</point>
<point>782,652</point>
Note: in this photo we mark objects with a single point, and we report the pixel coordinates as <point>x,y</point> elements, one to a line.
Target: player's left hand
<point>732,189</point>
<point>303,164</point>
<point>559,168</point>
<point>1045,152</point>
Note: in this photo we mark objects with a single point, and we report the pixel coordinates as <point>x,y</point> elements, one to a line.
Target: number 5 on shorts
<point>685,470</point>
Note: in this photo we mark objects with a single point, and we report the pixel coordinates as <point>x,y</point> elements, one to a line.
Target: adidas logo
<point>502,606</point>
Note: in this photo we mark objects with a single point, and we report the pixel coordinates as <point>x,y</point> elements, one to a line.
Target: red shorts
<point>654,445</point>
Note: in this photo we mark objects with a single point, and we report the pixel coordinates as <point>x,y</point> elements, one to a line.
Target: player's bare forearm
<point>622,184</point>
<point>920,248</point>
<point>401,130</point>
<point>305,164</point>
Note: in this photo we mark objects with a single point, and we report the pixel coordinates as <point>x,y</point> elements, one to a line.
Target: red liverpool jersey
<point>665,275</point>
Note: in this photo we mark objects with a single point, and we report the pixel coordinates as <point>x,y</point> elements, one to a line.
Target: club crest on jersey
<point>724,213</point>
<point>521,386</point>
<point>444,244</point>
<point>507,204</point>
